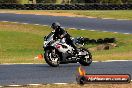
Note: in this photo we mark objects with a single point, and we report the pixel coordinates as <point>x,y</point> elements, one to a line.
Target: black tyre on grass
<point>100,41</point>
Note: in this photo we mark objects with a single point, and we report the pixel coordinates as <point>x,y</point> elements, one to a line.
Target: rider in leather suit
<point>61,33</point>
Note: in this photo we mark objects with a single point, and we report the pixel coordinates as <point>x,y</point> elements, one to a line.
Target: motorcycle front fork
<point>53,53</point>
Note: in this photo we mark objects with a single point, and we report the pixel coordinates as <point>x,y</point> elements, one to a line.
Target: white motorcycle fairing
<point>59,51</point>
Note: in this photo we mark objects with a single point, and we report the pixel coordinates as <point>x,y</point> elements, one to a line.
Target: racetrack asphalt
<point>42,73</point>
<point>22,74</point>
<point>112,25</point>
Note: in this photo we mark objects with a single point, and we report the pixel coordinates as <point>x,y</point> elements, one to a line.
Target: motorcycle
<point>59,52</point>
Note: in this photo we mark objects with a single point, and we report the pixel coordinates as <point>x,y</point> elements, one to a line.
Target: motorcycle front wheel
<point>87,59</point>
<point>52,58</point>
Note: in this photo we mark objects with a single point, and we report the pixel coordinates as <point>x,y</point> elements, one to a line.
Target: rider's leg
<point>70,42</point>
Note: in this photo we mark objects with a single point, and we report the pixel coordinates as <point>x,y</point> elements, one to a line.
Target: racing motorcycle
<point>59,52</point>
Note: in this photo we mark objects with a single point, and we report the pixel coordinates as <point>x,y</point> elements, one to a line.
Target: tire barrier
<point>82,40</point>
<point>66,6</point>
<point>100,41</point>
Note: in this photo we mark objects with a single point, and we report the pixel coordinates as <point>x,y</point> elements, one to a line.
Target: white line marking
<point>4,21</point>
<point>19,63</point>
<point>69,28</point>
<point>14,22</point>
<point>24,23</point>
<point>60,83</point>
<point>95,61</point>
<point>126,33</point>
<point>44,25</point>
<point>14,85</point>
<point>17,13</point>
<point>36,24</point>
<point>116,60</point>
<point>38,14</point>
<point>82,29</point>
<point>107,18</point>
<point>45,63</point>
<point>104,31</point>
<point>122,19</point>
<point>92,17</point>
<point>115,32</point>
<point>34,84</point>
<point>92,30</point>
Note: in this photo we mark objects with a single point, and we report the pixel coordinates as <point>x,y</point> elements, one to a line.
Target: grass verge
<point>78,86</point>
<point>116,14</point>
<point>20,43</point>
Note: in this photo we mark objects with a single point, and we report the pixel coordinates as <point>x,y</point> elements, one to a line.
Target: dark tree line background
<point>66,1</point>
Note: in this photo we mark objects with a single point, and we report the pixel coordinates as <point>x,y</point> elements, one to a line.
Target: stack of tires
<point>67,6</point>
<point>96,41</point>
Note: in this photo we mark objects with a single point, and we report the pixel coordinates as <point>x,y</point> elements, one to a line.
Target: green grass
<point>23,1</point>
<point>117,14</point>
<point>20,43</point>
<point>123,51</point>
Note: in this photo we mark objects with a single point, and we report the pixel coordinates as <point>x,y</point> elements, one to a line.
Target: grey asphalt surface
<point>122,26</point>
<point>42,73</point>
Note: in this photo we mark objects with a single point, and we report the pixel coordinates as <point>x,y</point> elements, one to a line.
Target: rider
<point>61,33</point>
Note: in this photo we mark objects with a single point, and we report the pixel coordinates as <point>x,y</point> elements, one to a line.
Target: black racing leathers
<point>61,32</point>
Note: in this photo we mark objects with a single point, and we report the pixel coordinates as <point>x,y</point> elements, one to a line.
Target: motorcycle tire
<point>48,59</point>
<point>87,62</point>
